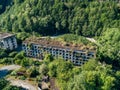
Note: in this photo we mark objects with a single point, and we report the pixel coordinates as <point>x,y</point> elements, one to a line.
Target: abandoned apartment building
<point>8,41</point>
<point>37,48</point>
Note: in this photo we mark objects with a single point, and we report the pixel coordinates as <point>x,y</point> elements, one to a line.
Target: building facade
<point>72,53</point>
<point>8,41</point>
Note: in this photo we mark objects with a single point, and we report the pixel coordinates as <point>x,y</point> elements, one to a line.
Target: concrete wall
<point>9,43</point>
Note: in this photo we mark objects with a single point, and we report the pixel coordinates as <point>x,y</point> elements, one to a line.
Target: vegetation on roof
<point>72,38</point>
<point>73,42</point>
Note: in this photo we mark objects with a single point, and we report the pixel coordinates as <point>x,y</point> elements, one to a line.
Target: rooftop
<point>50,42</point>
<point>5,35</point>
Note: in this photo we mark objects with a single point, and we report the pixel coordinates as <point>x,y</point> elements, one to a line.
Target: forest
<point>76,19</point>
<point>49,17</point>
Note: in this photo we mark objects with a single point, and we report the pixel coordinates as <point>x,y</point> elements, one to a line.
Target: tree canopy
<point>109,51</point>
<point>48,17</point>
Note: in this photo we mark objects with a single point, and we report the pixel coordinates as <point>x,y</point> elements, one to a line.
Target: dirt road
<point>23,84</point>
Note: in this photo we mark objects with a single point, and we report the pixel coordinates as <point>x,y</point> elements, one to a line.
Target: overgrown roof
<point>50,42</point>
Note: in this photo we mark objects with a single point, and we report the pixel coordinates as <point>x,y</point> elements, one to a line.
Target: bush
<point>3,53</point>
<point>37,63</point>
<point>13,54</point>
<point>22,77</point>
<point>6,61</point>
<point>13,73</point>
<point>3,83</point>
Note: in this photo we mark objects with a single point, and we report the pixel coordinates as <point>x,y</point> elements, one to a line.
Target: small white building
<point>8,41</point>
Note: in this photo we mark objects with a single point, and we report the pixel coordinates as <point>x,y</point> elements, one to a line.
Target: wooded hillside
<point>49,17</point>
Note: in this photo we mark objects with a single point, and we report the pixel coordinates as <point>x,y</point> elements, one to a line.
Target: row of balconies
<point>58,51</point>
<point>77,57</point>
<point>65,56</point>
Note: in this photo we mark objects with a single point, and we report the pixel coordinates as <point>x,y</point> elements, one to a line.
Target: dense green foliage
<point>109,49</point>
<point>59,16</point>
<point>91,76</point>
<point>98,77</point>
<point>2,53</point>
<point>18,58</point>
<point>3,83</point>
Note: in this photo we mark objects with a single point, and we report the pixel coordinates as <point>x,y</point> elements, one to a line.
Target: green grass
<point>74,39</point>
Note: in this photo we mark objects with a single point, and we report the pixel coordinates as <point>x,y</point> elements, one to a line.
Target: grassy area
<point>74,39</point>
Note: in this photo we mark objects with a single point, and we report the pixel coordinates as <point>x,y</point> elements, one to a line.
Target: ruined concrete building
<point>76,53</point>
<point>8,41</point>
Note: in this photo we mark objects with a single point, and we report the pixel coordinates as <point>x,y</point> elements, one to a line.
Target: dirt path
<point>93,41</point>
<point>10,67</point>
<point>23,84</point>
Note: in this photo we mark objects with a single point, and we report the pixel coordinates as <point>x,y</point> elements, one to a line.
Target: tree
<point>20,55</point>
<point>3,83</point>
<point>48,58</point>
<point>43,69</point>
<point>18,1</point>
<point>59,16</point>
<point>109,83</point>
<point>64,70</point>
<point>32,71</point>
<point>109,51</point>
<point>117,83</point>
<point>25,62</point>
<point>2,53</point>
<point>52,70</point>
<point>12,54</point>
<point>90,65</point>
<point>98,77</point>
